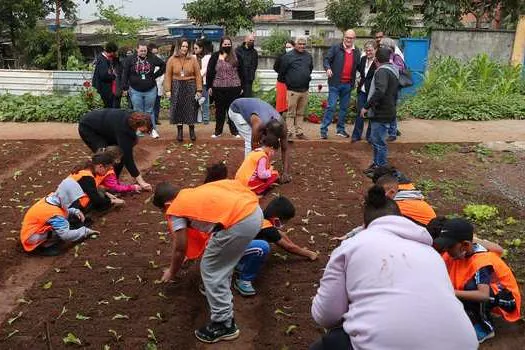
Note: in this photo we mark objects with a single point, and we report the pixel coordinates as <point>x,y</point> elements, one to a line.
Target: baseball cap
<point>454,231</point>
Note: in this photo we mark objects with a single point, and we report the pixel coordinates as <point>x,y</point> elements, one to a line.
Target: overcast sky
<point>145,8</point>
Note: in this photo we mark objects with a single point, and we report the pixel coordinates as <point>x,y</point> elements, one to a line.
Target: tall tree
<point>345,14</point>
<point>231,14</point>
<point>393,18</point>
<point>18,15</point>
<point>442,14</point>
<point>125,28</point>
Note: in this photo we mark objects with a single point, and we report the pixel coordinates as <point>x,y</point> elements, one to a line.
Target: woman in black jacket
<point>281,100</point>
<point>224,79</point>
<point>116,127</point>
<point>366,69</point>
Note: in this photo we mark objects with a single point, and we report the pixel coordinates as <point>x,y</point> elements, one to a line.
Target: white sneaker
<point>213,136</point>
<point>237,136</point>
<point>155,134</point>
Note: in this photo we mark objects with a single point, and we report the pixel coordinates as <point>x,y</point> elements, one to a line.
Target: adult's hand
<point>329,73</point>
<point>363,112</point>
<point>168,275</point>
<point>285,178</point>
<point>143,184</point>
<point>209,91</point>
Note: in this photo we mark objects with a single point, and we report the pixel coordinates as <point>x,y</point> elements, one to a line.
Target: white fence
<point>40,82</point>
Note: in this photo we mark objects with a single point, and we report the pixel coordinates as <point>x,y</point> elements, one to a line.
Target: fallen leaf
<point>88,265</point>
<point>121,296</point>
<point>120,317</point>
<point>281,312</point>
<point>115,334</point>
<point>71,339</point>
<point>11,334</point>
<point>64,310</point>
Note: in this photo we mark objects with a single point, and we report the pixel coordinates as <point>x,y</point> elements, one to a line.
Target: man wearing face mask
<point>281,101</point>
<point>250,59</point>
<point>139,79</point>
<point>104,76</point>
<point>481,280</point>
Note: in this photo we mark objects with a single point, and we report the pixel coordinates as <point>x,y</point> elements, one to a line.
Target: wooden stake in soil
<point>48,338</point>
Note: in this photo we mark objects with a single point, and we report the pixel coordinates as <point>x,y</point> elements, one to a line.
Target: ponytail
<point>377,204</point>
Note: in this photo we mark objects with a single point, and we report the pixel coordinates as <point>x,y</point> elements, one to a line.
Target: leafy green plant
<point>426,185</point>
<point>481,212</point>
<point>274,44</point>
<point>479,89</point>
<point>438,150</point>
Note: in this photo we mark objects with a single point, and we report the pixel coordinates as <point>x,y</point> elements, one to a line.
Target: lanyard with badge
<point>141,68</point>
<point>182,61</point>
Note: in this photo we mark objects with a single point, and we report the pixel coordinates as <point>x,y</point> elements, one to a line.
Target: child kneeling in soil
<point>276,214</point>
<point>228,211</point>
<point>110,181</point>
<point>387,288</point>
<point>82,181</point>
<point>256,170</point>
<point>46,224</point>
<point>482,281</point>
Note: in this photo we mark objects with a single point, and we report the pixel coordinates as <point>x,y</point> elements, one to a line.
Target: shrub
<point>476,90</point>
<point>481,212</point>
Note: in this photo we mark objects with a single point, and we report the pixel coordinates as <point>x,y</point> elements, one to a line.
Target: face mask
<point>250,45</point>
<point>288,49</point>
<point>227,49</point>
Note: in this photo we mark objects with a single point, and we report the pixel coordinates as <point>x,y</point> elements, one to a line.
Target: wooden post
<point>518,51</point>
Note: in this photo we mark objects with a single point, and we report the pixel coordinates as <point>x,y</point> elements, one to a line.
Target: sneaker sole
<point>243,293</point>
<point>489,336</point>
<point>224,337</point>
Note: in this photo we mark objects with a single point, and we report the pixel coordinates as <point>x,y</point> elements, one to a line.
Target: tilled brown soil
<point>113,280</point>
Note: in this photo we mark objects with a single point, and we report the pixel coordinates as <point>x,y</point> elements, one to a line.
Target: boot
<point>179,133</point>
<point>193,137</point>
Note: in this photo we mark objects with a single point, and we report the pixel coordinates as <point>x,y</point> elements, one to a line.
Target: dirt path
<point>414,131</point>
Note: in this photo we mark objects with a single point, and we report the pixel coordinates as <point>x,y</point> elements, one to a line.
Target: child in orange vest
<point>482,281</point>
<point>230,213</point>
<point>45,224</point>
<point>276,214</point>
<point>256,171</point>
<point>109,181</point>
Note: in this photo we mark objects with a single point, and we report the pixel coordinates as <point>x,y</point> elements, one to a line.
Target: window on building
<point>330,34</point>
<point>306,32</point>
<point>262,32</point>
<point>303,14</point>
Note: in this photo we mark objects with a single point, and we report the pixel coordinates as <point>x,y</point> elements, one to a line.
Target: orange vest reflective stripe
<point>35,227</point>
<point>100,179</point>
<point>249,166</point>
<point>84,200</point>
<point>463,270</point>
<point>417,210</point>
<point>224,202</point>
<point>266,224</point>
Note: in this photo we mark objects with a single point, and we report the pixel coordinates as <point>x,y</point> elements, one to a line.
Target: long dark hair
<point>377,204</point>
<point>231,57</point>
<point>139,119</point>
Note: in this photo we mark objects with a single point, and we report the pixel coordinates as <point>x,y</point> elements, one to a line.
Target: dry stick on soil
<point>48,337</point>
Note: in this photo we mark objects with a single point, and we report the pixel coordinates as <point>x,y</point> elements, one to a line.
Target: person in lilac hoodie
<point>387,288</point>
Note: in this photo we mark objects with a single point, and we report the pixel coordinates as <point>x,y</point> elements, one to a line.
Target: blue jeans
<point>144,102</point>
<point>360,122</point>
<point>156,110</point>
<point>252,259</point>
<point>341,91</point>
<point>205,105</point>
<point>378,139</point>
<point>392,130</point>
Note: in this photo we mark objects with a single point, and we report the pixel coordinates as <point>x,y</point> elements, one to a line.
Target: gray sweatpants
<point>222,254</point>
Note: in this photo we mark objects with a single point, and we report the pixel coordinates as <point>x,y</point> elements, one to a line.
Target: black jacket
<point>250,60</point>
<point>112,125</point>
<point>366,80</point>
<point>104,75</point>
<point>132,73</point>
<point>297,70</point>
<point>212,64</point>
<point>383,101</point>
<point>277,68</point>
<point>335,60</point>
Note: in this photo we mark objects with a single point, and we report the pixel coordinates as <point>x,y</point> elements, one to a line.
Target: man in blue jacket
<point>340,65</point>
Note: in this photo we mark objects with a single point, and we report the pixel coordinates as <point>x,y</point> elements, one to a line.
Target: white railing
<point>41,82</point>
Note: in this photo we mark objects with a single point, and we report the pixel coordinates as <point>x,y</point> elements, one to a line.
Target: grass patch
<point>438,150</point>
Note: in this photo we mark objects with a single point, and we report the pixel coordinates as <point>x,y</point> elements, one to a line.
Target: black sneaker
<point>324,137</point>
<point>343,134</point>
<point>217,331</point>
<point>369,172</point>
<point>391,138</point>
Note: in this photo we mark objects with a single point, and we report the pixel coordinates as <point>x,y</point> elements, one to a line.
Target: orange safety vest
<point>84,200</point>
<point>35,225</point>
<point>463,270</point>
<point>406,187</point>
<point>417,210</point>
<point>100,179</point>
<point>224,202</point>
<point>249,166</point>
<point>266,224</point>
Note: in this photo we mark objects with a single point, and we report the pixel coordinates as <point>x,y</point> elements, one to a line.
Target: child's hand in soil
<point>90,232</point>
<point>117,201</point>
<point>137,188</point>
<point>167,276</point>
<point>312,255</point>
<point>340,238</point>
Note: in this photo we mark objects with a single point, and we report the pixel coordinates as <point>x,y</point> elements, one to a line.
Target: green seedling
<point>24,301</point>
<point>150,346</point>
<point>280,256</point>
<point>135,237</point>
<point>153,265</point>
<point>281,312</point>
<point>157,282</point>
<point>57,270</point>
<point>76,249</point>
<point>121,296</point>
<point>290,329</point>
<point>157,317</point>
<point>511,221</point>
<point>103,302</point>
<point>120,317</point>
<point>151,335</point>
<point>481,212</point>
<point>82,317</point>
<point>107,347</point>
<point>139,278</point>
<point>88,265</point>
<point>47,285</point>
<point>17,174</point>
<point>12,320</point>
<point>118,280</point>
<point>11,334</point>
<point>115,334</point>
<point>71,339</point>
<point>64,310</point>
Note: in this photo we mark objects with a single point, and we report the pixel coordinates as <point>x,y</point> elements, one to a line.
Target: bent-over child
<point>256,170</point>
<point>110,181</point>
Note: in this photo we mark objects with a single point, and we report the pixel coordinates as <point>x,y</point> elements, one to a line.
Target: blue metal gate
<point>415,51</point>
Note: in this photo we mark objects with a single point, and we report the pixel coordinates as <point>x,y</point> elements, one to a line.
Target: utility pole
<point>57,33</point>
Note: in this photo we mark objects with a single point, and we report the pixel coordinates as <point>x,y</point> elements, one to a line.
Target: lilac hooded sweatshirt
<point>391,290</point>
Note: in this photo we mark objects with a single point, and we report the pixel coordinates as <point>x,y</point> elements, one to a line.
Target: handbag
<point>405,78</point>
